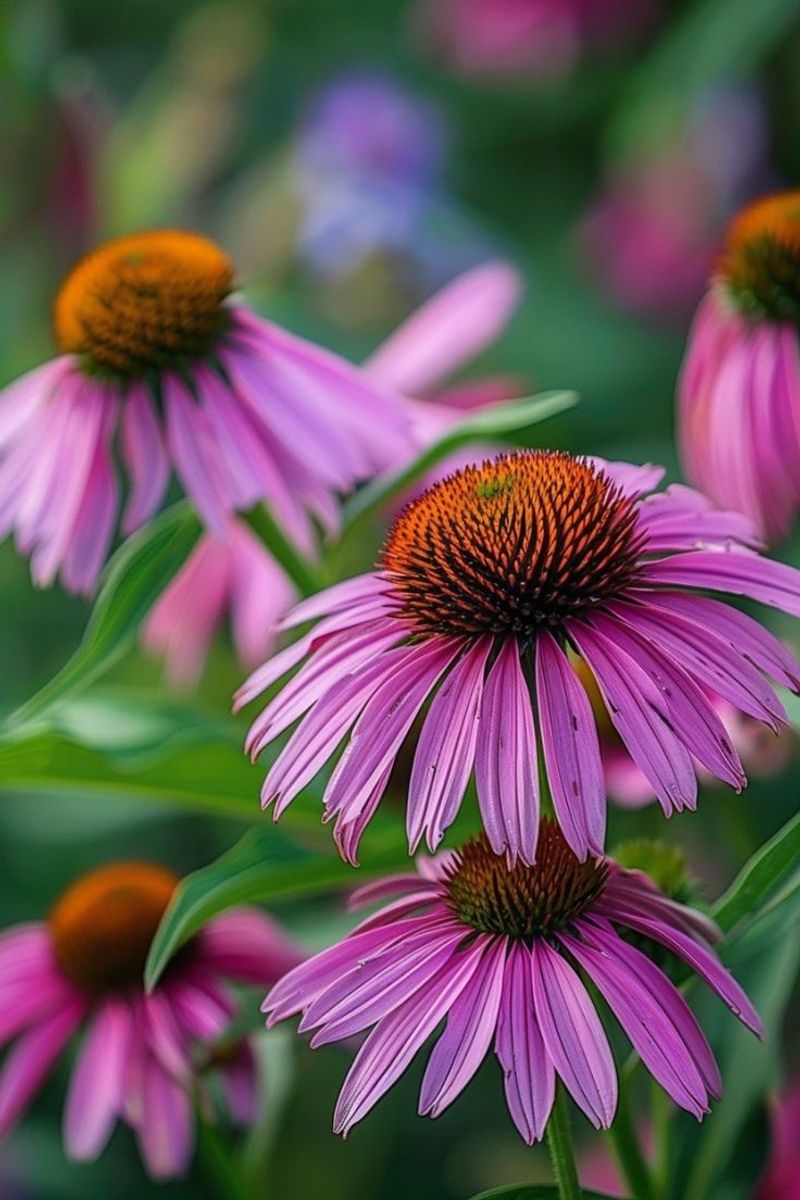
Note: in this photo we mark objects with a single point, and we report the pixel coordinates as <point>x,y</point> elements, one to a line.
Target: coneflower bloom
<point>739,392</point>
<point>504,953</point>
<point>234,577</point>
<point>159,361</point>
<point>144,1057</point>
<point>485,581</point>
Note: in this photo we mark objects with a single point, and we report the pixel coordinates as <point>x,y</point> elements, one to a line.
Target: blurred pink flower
<point>541,38</point>
<point>158,360</point>
<point>652,234</point>
<point>739,391</point>
<point>781,1179</point>
<point>234,576</point>
<point>143,1056</point>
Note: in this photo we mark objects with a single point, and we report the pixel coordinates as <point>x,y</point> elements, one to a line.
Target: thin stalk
<point>300,570</point>
<point>662,1127</point>
<point>218,1164</point>
<point>628,1152</point>
<point>562,1155</point>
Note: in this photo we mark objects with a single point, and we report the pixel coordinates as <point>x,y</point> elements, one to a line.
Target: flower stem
<point>662,1122</point>
<point>217,1163</point>
<point>302,573</point>
<point>562,1156</point>
<point>628,1153</point>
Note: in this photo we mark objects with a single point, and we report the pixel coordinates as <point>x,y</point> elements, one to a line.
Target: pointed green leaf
<point>761,875</point>
<point>134,578</point>
<point>532,1191</point>
<point>263,866</point>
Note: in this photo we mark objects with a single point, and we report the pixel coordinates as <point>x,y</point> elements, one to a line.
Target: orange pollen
<point>760,265</point>
<point>103,925</point>
<point>518,543</point>
<point>144,302</point>
<point>520,901</point>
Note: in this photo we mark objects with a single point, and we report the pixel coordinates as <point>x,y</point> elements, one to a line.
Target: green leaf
<point>134,578</point>
<point>533,1191</point>
<point>712,42</point>
<point>761,875</point>
<point>263,866</point>
<point>749,1067</point>
<point>494,422</point>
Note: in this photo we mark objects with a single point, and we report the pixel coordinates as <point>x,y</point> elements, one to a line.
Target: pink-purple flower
<point>485,583</point>
<point>144,1058</point>
<point>739,392</point>
<point>504,955</point>
<point>781,1179</point>
<point>542,39</point>
<point>236,576</point>
<point>159,363</point>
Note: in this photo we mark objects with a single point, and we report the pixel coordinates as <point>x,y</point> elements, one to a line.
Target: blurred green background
<point>606,181</point>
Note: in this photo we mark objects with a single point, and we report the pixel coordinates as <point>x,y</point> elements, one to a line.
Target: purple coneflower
<point>234,577</point>
<point>143,1057</point>
<point>503,954</point>
<point>739,394</point>
<point>237,577</point>
<point>485,582</point>
<point>159,360</point>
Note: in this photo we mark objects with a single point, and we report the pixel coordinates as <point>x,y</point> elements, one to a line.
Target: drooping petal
<point>571,749</point>
<point>31,1058</point>
<point>166,1130</point>
<point>446,749</point>
<point>716,662</point>
<point>643,1001</point>
<point>693,718</point>
<point>145,457</point>
<point>641,718</point>
<point>529,1077</point>
<point>573,1035</point>
<point>385,722</point>
<point>94,1099</point>
<point>700,959</point>
<point>471,1022</point>
<point>395,1040</point>
<point>506,770</point>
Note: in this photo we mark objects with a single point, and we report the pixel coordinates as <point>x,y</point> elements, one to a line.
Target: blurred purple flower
<point>143,1056</point>
<point>652,234</point>
<point>781,1180</point>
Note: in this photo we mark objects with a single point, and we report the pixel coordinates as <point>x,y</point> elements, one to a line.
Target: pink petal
<point>571,749</point>
<point>505,759</point>
<point>94,1099</point>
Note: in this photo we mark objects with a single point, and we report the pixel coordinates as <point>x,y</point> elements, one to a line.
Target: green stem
<point>628,1153</point>
<point>562,1156</point>
<point>302,572</point>
<point>662,1125</point>
<point>217,1163</point>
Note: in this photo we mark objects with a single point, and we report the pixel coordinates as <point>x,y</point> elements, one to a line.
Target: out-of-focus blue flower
<point>370,159</point>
